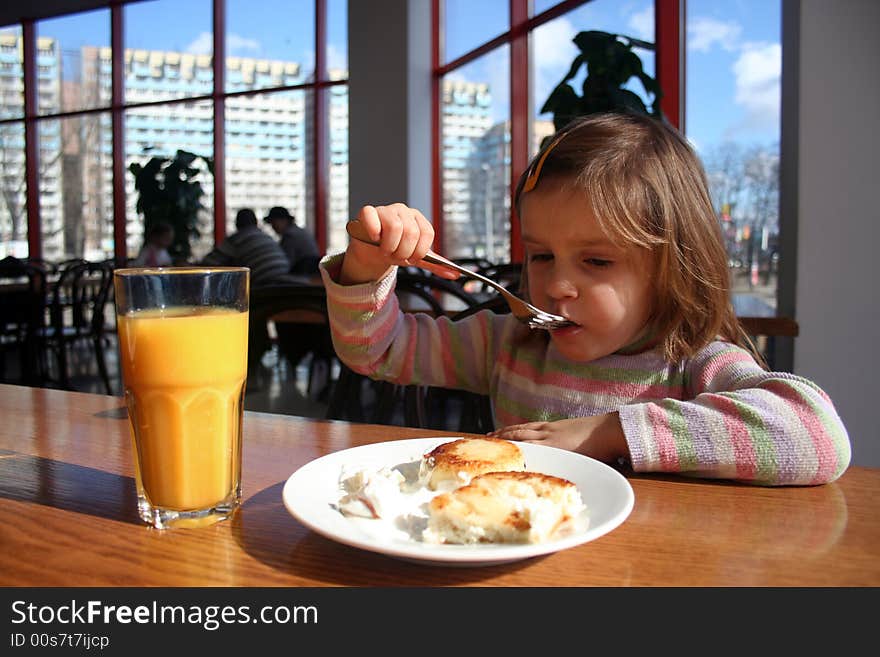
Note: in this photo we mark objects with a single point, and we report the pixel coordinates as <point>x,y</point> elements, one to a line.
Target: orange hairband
<point>532,179</point>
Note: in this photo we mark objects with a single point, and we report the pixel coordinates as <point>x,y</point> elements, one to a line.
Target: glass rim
<point>186,269</point>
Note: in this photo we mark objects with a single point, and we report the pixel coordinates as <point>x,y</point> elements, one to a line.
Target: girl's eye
<point>598,262</point>
<point>540,257</point>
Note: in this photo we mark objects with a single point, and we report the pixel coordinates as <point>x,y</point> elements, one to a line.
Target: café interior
<point>379,125</point>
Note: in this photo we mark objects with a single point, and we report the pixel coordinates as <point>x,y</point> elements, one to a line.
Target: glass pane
<point>169,49</point>
<point>468,24</point>
<point>266,156</point>
<point>69,50</point>
<point>734,62</point>
<point>11,74</point>
<point>337,192</point>
<point>269,43</point>
<point>159,131</point>
<point>13,213</point>
<point>554,52</point>
<point>475,142</point>
<point>76,187</point>
<point>337,39</point>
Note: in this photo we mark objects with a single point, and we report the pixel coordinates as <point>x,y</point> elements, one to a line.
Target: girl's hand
<point>600,436</point>
<point>404,236</point>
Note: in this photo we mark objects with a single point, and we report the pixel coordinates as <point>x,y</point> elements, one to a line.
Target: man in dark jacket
<point>299,245</point>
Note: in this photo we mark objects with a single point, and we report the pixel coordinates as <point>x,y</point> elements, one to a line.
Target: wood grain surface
<point>68,518</point>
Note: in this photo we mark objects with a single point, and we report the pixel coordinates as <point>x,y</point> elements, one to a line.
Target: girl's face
<point>576,271</point>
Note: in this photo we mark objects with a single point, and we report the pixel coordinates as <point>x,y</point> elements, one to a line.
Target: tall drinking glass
<point>183,338</point>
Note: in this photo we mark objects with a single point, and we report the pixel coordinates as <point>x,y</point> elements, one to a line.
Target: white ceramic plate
<point>311,493</point>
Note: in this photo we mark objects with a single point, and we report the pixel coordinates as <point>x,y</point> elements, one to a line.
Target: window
<point>284,92</point>
<point>734,61</point>
<point>488,129</point>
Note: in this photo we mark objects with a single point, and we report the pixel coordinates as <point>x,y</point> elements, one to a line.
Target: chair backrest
<point>23,297</point>
<point>81,293</point>
<point>427,292</point>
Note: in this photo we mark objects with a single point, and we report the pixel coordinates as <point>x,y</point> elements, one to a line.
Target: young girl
<point>621,238</point>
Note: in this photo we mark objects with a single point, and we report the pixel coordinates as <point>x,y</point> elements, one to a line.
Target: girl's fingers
<point>526,431</point>
<point>369,218</point>
<point>392,229</point>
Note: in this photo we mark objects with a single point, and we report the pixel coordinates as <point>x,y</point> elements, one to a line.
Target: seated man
<point>298,244</point>
<point>251,247</point>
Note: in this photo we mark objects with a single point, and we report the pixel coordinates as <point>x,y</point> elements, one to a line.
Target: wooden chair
<point>298,313</point>
<point>764,332</point>
<point>77,317</point>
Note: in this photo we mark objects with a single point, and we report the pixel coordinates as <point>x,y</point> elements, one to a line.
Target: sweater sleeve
<point>739,422</point>
<point>373,337</point>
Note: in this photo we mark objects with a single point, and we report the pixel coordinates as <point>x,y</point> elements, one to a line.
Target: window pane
<point>261,55</point>
<point>68,54</point>
<point>337,39</point>
<point>734,59</point>
<point>76,187</point>
<point>475,142</point>
<point>265,155</point>
<point>163,63</point>
<point>337,192</point>
<point>159,131</point>
<point>11,74</point>
<point>554,52</point>
<point>468,24</point>
<point>13,214</point>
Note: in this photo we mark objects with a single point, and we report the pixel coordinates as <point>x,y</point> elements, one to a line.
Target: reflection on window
<point>13,214</point>
<point>259,58</point>
<point>266,154</point>
<point>72,73</point>
<point>470,24</point>
<point>475,160</point>
<point>76,188</point>
<point>184,68</point>
<point>734,64</point>
<point>159,131</point>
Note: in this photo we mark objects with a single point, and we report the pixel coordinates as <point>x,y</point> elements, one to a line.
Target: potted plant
<point>169,190</point>
<point>611,62</point>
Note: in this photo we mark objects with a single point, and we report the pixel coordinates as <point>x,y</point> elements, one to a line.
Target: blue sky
<point>733,55</point>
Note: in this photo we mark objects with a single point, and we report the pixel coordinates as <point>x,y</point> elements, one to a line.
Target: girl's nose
<point>560,286</point>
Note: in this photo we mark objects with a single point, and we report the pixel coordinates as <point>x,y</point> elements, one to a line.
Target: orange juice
<point>184,370</point>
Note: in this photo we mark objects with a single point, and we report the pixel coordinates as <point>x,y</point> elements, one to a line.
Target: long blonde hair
<point>648,188</point>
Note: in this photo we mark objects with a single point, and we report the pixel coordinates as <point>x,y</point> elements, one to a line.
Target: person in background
<point>299,245</point>
<point>251,247</point>
<point>154,252</point>
<point>621,238</point>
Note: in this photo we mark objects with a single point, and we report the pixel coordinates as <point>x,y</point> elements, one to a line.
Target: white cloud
<point>554,53</point>
<point>704,33</point>
<point>203,44</point>
<point>758,72</point>
<point>235,44</point>
<point>642,24</point>
<point>336,59</point>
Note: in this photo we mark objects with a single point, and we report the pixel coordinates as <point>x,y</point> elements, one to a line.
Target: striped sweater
<point>717,414</point>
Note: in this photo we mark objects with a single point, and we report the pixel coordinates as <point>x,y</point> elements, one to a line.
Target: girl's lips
<point>567,330</point>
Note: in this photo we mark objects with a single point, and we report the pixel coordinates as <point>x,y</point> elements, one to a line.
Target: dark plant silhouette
<point>170,190</point>
<point>611,63</point>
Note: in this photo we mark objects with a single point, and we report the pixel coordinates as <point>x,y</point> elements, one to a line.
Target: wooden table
<point>68,518</point>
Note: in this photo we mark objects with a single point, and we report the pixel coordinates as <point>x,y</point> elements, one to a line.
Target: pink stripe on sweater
<point>446,353</point>
<point>822,441</point>
<point>718,363</point>
<point>663,439</point>
<point>738,433</point>
<point>630,389</point>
